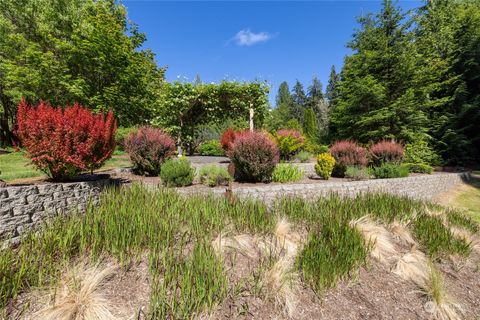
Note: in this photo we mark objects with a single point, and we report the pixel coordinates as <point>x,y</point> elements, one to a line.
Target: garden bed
<point>197,257</point>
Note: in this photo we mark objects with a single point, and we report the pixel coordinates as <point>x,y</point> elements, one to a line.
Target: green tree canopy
<point>66,51</point>
<point>377,96</point>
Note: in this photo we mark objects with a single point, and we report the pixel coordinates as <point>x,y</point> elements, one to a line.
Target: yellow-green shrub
<point>325,165</point>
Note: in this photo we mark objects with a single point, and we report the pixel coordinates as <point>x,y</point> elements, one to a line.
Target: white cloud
<point>246,37</point>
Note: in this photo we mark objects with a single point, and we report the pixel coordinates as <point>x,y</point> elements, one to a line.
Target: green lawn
<point>469,198</point>
<point>15,165</point>
<point>466,197</point>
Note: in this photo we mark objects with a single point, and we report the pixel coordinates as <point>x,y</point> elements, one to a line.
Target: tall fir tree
<point>310,126</point>
<point>448,42</point>
<point>316,102</point>
<point>299,101</point>
<point>283,95</point>
<point>377,98</point>
<point>331,93</point>
<point>315,93</point>
<point>283,109</point>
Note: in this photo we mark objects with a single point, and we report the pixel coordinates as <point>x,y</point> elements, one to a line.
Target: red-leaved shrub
<point>63,142</point>
<point>386,152</point>
<point>227,140</point>
<point>289,141</point>
<point>347,153</point>
<point>254,156</point>
<point>148,148</point>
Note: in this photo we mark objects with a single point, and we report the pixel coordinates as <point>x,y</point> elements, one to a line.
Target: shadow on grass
<point>473,179</point>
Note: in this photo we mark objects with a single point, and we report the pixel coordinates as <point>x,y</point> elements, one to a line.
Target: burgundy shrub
<point>254,156</point>
<point>347,153</point>
<point>148,149</point>
<point>386,152</point>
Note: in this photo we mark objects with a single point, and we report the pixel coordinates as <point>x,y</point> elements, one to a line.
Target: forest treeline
<point>413,76</point>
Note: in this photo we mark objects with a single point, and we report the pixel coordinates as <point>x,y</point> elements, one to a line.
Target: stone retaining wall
<point>24,207</point>
<point>422,187</point>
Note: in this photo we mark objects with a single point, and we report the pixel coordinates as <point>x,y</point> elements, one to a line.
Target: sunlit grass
<point>465,197</point>
<point>16,166</point>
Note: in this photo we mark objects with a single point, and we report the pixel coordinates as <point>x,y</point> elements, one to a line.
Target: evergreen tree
<point>283,110</point>
<point>299,101</point>
<point>332,88</point>
<point>283,95</point>
<point>316,102</point>
<point>315,93</point>
<point>377,97</point>
<point>310,126</point>
<point>448,43</point>
<point>198,80</point>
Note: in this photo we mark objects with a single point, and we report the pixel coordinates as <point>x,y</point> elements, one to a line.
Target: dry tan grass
<point>401,233</point>
<point>442,306</point>
<point>282,285</point>
<point>434,212</point>
<point>378,237</point>
<point>467,236</point>
<point>244,244</point>
<point>280,282</point>
<point>78,295</point>
<point>413,266</point>
<point>289,241</point>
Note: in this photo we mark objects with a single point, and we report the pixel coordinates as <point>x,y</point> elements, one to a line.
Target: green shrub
<point>213,175</point>
<point>289,142</point>
<point>211,148</point>
<point>121,134</point>
<point>304,156</point>
<point>285,172</point>
<point>418,168</point>
<point>421,152</point>
<point>357,173</point>
<point>389,170</point>
<point>325,165</point>
<point>177,173</point>
<point>315,148</point>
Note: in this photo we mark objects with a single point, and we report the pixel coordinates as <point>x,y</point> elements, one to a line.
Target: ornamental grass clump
<point>347,153</point>
<point>254,156</point>
<point>386,152</point>
<point>148,148</point>
<point>286,172</point>
<point>325,165</point>
<point>289,142</point>
<point>63,142</point>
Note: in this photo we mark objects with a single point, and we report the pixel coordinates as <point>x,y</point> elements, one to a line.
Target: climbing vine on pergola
<point>185,106</point>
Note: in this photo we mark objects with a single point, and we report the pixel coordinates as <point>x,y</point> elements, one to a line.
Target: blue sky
<point>270,40</point>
